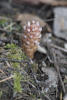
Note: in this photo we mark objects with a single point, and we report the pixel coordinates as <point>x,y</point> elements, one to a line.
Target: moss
<point>1,93</point>
<point>15,52</point>
<point>3,21</point>
<point>17,85</point>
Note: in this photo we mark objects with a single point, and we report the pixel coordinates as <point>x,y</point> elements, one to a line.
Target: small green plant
<point>15,52</point>
<point>1,93</point>
<point>3,21</point>
<point>17,85</point>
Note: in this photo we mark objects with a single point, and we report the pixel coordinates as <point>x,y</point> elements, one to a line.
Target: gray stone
<point>60,22</point>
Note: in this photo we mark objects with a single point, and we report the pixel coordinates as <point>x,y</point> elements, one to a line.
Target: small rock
<point>60,22</point>
<point>52,76</point>
<point>65,45</point>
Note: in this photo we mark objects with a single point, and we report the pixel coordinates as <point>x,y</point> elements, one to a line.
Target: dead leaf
<point>25,17</point>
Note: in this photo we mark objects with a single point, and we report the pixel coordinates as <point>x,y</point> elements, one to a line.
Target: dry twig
<point>57,68</point>
<point>8,78</point>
